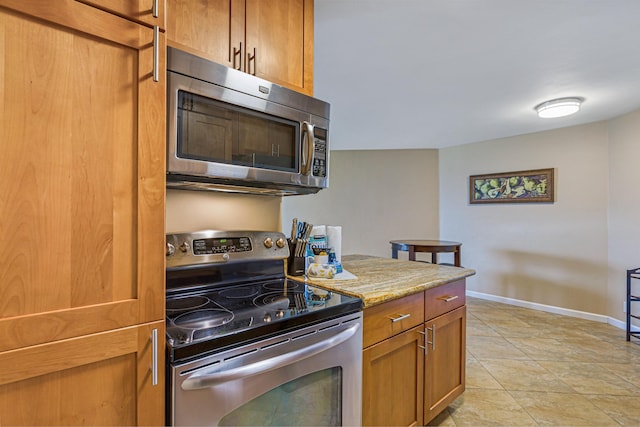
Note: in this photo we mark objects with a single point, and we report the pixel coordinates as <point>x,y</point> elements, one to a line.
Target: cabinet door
<point>82,169</point>
<point>392,381</point>
<point>279,42</point>
<point>444,361</point>
<point>99,379</point>
<point>150,12</point>
<point>213,29</point>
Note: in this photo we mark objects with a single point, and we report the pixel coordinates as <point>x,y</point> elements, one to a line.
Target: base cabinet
<point>393,384</point>
<point>445,359</point>
<point>99,379</point>
<point>411,373</point>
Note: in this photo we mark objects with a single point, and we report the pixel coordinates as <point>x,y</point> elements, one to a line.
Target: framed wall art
<point>533,186</point>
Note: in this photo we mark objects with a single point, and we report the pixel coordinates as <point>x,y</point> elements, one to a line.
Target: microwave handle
<point>308,147</point>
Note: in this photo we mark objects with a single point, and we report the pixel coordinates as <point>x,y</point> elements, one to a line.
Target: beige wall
<point>199,210</point>
<point>553,254</point>
<point>376,196</point>
<point>624,207</point>
<point>573,254</point>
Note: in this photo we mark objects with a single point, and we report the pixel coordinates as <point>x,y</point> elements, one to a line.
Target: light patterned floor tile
<point>524,375</point>
<point>488,408</point>
<point>562,409</point>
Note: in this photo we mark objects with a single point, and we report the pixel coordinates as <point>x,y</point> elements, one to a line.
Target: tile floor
<point>531,368</point>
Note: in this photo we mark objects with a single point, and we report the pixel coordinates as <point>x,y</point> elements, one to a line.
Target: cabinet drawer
<point>149,12</point>
<point>444,298</point>
<point>390,318</point>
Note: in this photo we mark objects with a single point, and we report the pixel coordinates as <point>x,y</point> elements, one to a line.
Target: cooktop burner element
<point>187,303</point>
<point>218,299</point>
<point>202,319</point>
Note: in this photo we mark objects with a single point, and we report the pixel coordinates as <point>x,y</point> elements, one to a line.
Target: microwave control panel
<point>319,167</point>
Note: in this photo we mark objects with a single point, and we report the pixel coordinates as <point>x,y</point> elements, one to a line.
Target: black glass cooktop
<point>208,320</point>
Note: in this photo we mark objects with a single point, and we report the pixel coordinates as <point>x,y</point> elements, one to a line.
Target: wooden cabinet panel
<point>272,39</point>
<point>82,171</point>
<point>444,298</point>
<point>444,361</point>
<point>150,12</point>
<point>379,321</point>
<point>100,379</point>
<point>207,28</point>
<point>280,35</point>
<point>392,387</point>
<point>389,372</point>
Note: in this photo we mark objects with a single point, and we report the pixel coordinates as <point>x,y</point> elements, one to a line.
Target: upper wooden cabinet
<point>272,39</point>
<point>82,169</point>
<point>149,12</point>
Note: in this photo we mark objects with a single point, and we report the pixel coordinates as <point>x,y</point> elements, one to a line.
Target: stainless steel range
<point>247,346</point>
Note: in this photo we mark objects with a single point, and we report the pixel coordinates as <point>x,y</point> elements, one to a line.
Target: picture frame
<point>530,186</point>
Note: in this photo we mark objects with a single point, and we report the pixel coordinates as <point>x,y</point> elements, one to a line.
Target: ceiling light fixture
<point>558,107</point>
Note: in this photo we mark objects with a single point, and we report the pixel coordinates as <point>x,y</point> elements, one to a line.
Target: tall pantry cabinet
<point>82,138</point>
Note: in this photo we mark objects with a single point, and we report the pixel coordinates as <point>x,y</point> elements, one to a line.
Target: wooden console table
<point>432,246</point>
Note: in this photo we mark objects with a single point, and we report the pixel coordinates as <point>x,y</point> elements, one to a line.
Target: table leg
<point>394,252</point>
<point>456,258</point>
<point>434,257</point>
<point>412,253</point>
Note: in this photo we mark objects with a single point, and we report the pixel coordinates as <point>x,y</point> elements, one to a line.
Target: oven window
<point>312,400</point>
<point>215,131</point>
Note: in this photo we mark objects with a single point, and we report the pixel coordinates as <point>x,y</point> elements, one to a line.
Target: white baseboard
<point>552,309</point>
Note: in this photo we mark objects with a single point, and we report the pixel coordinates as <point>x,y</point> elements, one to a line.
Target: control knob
<point>268,242</point>
<point>184,247</point>
<point>280,243</point>
<point>170,249</point>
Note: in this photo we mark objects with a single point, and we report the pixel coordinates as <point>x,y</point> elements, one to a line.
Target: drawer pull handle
<point>401,317</point>
<point>448,298</point>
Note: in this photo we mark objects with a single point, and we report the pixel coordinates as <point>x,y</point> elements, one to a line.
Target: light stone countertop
<point>384,279</point>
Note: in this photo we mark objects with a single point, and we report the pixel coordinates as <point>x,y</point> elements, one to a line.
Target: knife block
<point>295,264</point>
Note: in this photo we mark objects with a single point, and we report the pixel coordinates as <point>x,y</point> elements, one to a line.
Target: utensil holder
<point>295,264</point>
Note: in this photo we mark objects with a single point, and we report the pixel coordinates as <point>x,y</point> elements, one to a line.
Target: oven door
<point>309,377</point>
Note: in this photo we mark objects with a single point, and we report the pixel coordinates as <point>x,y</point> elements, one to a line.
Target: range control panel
<point>221,245</point>
<point>214,246</point>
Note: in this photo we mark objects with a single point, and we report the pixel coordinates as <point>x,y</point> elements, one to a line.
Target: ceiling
<point>438,73</point>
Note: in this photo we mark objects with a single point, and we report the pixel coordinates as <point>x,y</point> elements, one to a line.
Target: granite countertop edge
<point>384,279</point>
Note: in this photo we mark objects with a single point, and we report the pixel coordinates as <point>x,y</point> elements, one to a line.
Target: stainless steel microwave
<point>232,131</point>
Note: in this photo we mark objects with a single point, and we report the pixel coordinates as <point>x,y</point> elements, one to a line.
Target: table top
<point>425,243</point>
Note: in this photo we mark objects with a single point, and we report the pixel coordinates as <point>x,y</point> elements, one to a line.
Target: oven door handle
<point>206,380</point>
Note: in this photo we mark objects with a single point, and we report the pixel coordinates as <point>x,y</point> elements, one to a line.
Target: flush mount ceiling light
<point>558,107</point>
